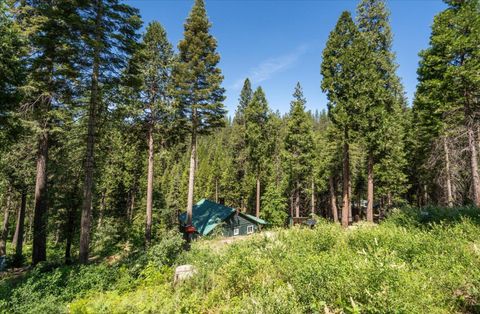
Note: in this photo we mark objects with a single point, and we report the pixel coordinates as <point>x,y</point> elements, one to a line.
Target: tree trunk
<point>474,166</point>
<point>370,188</point>
<point>132,206</point>
<point>89,160</point>
<point>333,199</point>
<point>478,137</point>
<point>191,178</point>
<point>297,200</point>
<point>101,210</point>
<point>346,182</point>
<point>216,190</point>
<point>69,235</point>
<point>148,225</point>
<point>448,183</point>
<point>425,195</point>
<point>39,249</point>
<point>257,207</point>
<point>19,229</point>
<point>291,205</point>
<point>313,198</point>
<point>4,233</point>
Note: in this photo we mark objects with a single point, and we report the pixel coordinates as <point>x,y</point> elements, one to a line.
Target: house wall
<point>237,221</point>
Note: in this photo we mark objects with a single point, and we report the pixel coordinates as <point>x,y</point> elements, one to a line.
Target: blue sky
<point>277,43</point>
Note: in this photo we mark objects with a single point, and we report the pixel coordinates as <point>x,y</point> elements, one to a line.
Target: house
<point>208,216</point>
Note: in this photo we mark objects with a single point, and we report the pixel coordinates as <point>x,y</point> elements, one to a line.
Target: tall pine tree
<point>109,30</point>
<point>298,148</point>
<point>257,139</point>
<point>449,80</point>
<point>341,83</point>
<point>239,150</point>
<point>153,66</point>
<point>196,82</point>
<point>52,34</point>
<point>381,128</point>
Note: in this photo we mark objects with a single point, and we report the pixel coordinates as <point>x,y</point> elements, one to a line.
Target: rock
<point>184,272</point>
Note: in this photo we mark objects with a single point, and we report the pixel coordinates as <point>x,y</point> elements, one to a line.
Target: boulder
<point>184,272</point>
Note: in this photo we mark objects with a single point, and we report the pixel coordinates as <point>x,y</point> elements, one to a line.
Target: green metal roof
<point>206,215</point>
<point>258,220</point>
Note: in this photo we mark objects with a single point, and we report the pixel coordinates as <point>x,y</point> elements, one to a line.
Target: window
<point>236,231</point>
<point>249,229</point>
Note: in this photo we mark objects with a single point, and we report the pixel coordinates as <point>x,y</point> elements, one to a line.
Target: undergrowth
<point>417,261</point>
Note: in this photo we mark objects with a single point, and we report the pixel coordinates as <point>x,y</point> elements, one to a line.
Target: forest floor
<point>410,263</point>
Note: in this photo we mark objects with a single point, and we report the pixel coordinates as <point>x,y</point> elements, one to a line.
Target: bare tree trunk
<point>370,188</point>
<point>4,233</point>
<point>148,225</point>
<point>333,198</point>
<point>69,233</point>
<point>448,183</point>
<point>28,234</point>
<point>101,210</point>
<point>425,195</point>
<point>39,249</point>
<point>89,160</point>
<point>389,199</point>
<point>191,178</point>
<point>291,205</point>
<point>297,201</point>
<point>132,206</point>
<point>19,229</point>
<point>474,166</point>
<point>346,182</point>
<point>257,207</point>
<point>478,136</point>
<point>313,197</point>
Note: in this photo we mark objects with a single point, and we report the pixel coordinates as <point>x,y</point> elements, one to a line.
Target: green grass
<point>417,261</point>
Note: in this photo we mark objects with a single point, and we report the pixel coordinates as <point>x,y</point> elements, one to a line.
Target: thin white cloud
<point>269,67</point>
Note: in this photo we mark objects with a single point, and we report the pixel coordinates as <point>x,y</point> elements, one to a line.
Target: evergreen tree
<point>381,128</point>
<point>298,148</point>
<point>52,34</point>
<point>239,146</point>
<point>110,37</point>
<point>152,69</point>
<point>447,94</point>
<point>342,85</point>
<point>274,206</point>
<point>257,139</point>
<point>12,69</point>
<point>196,81</point>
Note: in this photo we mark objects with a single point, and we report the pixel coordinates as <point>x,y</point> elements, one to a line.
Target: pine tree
<point>196,85</point>
<point>12,68</point>
<point>274,206</point>
<point>152,69</point>
<point>342,85</point>
<point>448,82</point>
<point>381,128</point>
<point>239,147</point>
<point>298,148</point>
<point>51,32</point>
<point>257,139</point>
<point>110,37</point>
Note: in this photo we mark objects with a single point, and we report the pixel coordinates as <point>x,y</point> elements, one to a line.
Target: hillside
<point>414,262</point>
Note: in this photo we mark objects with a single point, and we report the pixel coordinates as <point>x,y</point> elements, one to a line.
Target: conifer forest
<point>121,167</point>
